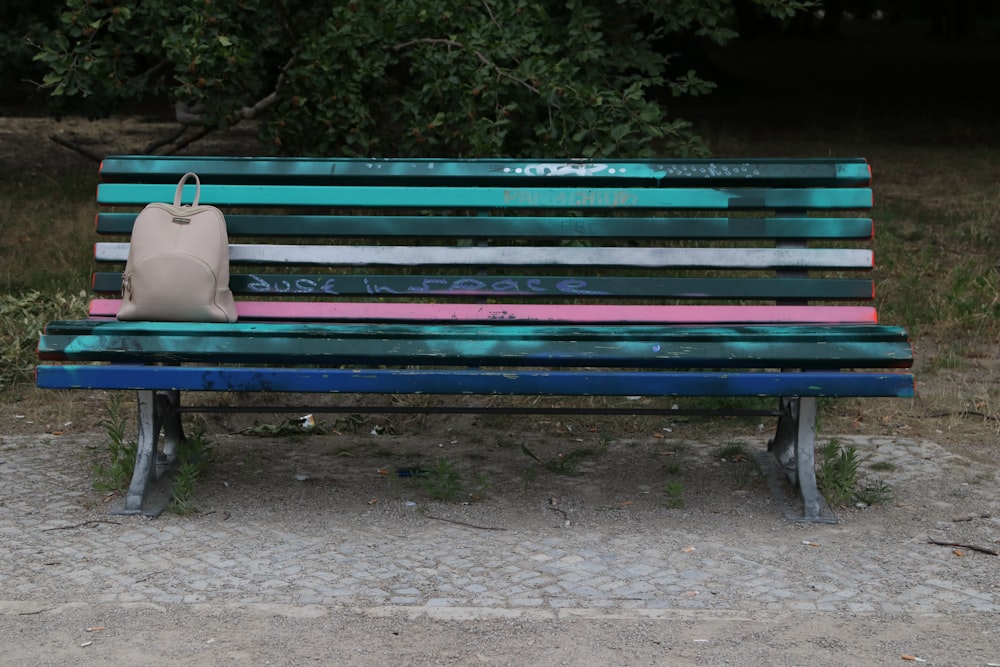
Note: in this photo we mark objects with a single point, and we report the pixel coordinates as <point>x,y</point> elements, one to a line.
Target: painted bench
<point>464,278</point>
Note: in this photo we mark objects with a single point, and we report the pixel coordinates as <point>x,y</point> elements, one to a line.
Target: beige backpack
<point>178,264</point>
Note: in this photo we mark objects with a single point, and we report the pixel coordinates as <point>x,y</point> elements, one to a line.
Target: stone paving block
<point>254,557</point>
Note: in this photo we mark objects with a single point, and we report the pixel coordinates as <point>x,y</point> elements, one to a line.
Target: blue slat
<point>531,383</point>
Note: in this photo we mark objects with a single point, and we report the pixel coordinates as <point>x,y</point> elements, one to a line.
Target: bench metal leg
<point>155,415</point>
<point>794,447</point>
<point>173,433</point>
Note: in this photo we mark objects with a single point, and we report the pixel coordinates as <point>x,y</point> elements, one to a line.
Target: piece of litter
<point>85,644</point>
<point>688,550</point>
<point>700,641</point>
<point>301,478</point>
<point>308,421</point>
<point>96,628</point>
<point>809,544</point>
<point>912,658</point>
<point>958,552</point>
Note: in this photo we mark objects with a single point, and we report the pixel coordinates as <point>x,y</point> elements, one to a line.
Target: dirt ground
<point>648,486</point>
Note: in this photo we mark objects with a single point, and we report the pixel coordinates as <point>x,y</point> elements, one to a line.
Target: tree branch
<point>500,72</point>
<point>157,143</point>
<point>181,145</point>
<point>195,114</point>
<point>76,147</point>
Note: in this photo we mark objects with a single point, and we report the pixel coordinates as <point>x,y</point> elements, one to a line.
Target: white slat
<point>338,255</point>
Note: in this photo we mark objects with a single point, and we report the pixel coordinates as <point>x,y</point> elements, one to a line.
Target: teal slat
<point>652,346</point>
<point>486,351</point>
<point>497,198</point>
<point>526,383</point>
<point>796,332</point>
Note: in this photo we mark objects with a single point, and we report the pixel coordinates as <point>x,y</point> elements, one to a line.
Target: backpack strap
<point>180,189</point>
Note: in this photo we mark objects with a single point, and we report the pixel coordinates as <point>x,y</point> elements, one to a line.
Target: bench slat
<point>307,226</point>
<point>679,258</point>
<point>489,345</point>
<point>522,383</point>
<point>495,198</point>
<point>537,287</point>
<point>499,313</point>
<point>431,172</point>
<point>547,287</point>
<point>751,332</point>
<point>650,353</point>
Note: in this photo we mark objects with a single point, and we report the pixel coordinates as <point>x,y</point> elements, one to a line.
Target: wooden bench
<point>464,278</point>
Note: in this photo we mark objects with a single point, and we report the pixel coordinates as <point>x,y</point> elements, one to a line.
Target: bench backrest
<point>778,240</point>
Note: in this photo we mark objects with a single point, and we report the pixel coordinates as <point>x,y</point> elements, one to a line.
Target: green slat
<point>279,225</point>
<point>497,198</point>
<point>772,172</point>
<point>546,287</point>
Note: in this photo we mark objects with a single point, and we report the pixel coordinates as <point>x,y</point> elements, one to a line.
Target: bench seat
<point>505,277</point>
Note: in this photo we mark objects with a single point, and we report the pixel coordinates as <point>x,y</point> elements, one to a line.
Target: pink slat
<point>356,312</point>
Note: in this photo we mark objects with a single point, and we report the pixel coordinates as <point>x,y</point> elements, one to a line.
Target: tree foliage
<point>400,77</point>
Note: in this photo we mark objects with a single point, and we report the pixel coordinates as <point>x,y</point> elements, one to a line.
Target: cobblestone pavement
<point>739,559</point>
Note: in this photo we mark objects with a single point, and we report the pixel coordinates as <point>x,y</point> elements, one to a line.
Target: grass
<point>443,481</point>
<point>48,235</point>
<point>113,470</point>
<point>21,317</point>
<point>839,478</point>
<point>838,473</point>
<point>733,451</point>
<point>673,491</point>
<point>193,456</point>
<point>567,463</point>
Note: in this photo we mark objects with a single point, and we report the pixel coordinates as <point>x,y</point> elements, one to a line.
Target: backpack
<point>178,264</point>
